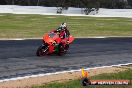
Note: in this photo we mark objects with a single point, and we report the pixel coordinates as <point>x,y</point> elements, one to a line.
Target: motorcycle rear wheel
<point>62,50</point>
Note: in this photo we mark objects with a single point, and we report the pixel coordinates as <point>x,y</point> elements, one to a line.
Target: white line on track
<point>46,74</point>
<point>18,38</point>
<point>75,37</point>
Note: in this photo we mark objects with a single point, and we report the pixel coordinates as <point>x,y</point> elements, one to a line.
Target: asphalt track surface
<point>18,58</point>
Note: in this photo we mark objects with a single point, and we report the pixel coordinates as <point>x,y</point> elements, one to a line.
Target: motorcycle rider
<point>63,31</point>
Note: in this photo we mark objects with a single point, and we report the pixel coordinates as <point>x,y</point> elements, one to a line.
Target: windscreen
<point>51,35</point>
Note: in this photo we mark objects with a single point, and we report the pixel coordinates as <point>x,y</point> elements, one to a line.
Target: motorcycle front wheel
<point>42,50</point>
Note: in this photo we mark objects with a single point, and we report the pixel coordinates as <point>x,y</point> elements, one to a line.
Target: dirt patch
<point>2,15</point>
<point>107,19</point>
<point>59,77</point>
<point>78,18</point>
<point>51,17</point>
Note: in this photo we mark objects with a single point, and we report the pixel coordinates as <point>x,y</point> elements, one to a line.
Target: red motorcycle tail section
<point>71,39</point>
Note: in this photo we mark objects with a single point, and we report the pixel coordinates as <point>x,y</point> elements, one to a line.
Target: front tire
<point>42,50</point>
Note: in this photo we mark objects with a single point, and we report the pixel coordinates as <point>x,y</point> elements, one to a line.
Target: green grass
<point>76,83</point>
<point>28,26</point>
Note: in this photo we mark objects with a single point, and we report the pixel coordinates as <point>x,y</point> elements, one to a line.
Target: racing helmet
<point>63,25</point>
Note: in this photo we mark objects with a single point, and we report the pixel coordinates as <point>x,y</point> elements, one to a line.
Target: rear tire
<point>67,47</point>
<point>62,50</point>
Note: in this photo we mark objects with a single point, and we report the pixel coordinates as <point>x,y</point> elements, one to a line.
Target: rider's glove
<point>68,42</point>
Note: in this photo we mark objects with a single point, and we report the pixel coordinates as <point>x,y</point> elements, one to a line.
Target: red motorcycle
<point>52,43</point>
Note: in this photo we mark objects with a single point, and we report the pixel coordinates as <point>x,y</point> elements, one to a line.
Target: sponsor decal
<point>87,81</point>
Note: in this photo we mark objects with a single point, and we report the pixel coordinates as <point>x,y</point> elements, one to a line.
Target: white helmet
<point>63,25</point>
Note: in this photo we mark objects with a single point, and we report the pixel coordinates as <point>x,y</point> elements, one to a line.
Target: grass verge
<point>31,26</point>
<point>76,83</point>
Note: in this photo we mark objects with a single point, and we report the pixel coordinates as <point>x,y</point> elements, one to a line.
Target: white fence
<point>115,12</point>
<point>70,12</point>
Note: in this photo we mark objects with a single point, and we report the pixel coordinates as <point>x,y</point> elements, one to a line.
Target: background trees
<point>72,3</point>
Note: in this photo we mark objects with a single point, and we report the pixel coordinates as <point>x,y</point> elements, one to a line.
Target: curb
<point>46,74</point>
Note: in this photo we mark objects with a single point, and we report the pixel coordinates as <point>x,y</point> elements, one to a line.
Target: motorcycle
<point>52,43</point>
